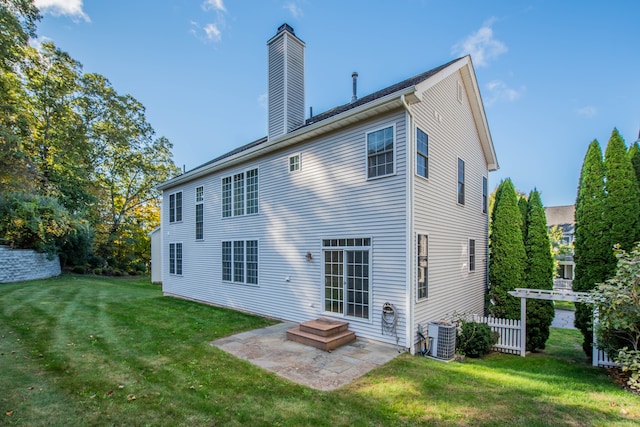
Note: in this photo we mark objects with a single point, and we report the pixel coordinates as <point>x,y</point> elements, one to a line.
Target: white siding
<point>452,135</point>
<point>330,197</point>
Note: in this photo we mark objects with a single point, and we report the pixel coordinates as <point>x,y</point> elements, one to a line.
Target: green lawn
<point>84,351</point>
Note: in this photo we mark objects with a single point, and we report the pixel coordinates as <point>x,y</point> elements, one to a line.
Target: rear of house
<point>377,203</point>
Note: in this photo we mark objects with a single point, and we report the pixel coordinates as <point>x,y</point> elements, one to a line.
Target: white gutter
<point>377,106</point>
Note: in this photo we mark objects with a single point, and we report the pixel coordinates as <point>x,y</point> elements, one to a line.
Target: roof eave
<point>370,109</point>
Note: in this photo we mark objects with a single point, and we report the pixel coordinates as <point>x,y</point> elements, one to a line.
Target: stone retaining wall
<point>17,265</point>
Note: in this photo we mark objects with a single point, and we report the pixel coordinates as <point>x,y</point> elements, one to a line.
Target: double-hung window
<point>199,213</point>
<point>240,261</point>
<point>422,154</point>
<point>175,207</point>
<point>347,277</point>
<point>380,152</point>
<point>472,255</point>
<point>461,181</point>
<point>240,194</point>
<point>423,266</point>
<point>175,258</point>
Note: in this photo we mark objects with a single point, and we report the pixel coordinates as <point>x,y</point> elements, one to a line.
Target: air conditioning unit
<point>443,340</point>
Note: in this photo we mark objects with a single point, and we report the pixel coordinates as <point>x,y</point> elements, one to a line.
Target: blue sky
<point>554,75</point>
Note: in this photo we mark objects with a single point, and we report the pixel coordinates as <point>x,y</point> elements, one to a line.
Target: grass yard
<point>565,305</point>
<point>80,351</point>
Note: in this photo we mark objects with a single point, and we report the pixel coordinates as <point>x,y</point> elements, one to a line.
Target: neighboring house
<point>564,218</point>
<point>381,200</point>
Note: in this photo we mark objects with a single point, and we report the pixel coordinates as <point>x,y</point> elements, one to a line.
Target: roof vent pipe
<point>354,76</point>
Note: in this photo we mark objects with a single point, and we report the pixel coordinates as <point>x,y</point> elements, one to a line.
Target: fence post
<point>523,326</point>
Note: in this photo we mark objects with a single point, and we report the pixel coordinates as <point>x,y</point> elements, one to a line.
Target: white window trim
<point>464,196</point>
<point>175,221</point>
<point>232,282</point>
<point>415,269</point>
<point>175,259</point>
<point>418,153</point>
<point>366,152</point>
<point>299,156</point>
<point>475,255</point>
<point>231,175</point>
<point>485,196</point>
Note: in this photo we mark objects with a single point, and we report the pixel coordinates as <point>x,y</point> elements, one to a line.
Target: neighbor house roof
<point>560,215</point>
<point>382,100</point>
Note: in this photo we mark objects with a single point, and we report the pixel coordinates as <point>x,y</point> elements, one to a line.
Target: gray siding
<point>330,197</point>
<point>452,135</point>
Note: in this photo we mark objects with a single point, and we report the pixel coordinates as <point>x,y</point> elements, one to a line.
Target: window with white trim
<point>294,163</point>
<point>380,152</point>
<point>485,194</point>
<point>175,258</point>
<point>240,194</point>
<point>347,277</point>
<point>423,266</point>
<point>199,213</point>
<point>472,255</point>
<point>422,154</point>
<point>240,261</point>
<point>461,181</point>
<point>175,207</point>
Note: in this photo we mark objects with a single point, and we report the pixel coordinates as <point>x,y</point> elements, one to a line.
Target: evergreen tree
<point>507,260</point>
<point>590,250</point>
<point>523,205</point>
<point>538,273</point>
<point>622,199</point>
<point>634,155</point>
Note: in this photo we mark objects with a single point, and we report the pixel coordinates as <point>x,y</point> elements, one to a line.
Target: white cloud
<point>498,91</point>
<point>214,4</point>
<point>589,111</point>
<point>263,101</point>
<point>481,45</point>
<point>212,32</point>
<point>71,8</point>
<point>294,9</point>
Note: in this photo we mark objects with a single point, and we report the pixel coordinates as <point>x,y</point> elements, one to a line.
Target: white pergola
<point>544,294</point>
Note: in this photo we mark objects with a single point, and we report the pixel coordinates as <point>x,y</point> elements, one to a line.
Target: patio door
<point>347,279</point>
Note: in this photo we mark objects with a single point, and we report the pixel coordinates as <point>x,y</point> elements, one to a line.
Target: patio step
<point>322,333</point>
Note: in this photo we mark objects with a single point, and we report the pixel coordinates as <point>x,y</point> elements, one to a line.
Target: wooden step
<point>324,327</point>
<point>321,342</point>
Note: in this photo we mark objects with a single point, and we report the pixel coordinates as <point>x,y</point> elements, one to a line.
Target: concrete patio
<point>269,349</point>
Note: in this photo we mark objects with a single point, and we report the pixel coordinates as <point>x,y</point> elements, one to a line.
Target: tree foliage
<point>70,137</point>
<point>507,260</point>
<point>538,273</point>
<point>618,304</point>
<point>591,250</point>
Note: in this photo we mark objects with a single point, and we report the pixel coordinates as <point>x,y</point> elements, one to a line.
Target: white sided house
<point>380,201</point>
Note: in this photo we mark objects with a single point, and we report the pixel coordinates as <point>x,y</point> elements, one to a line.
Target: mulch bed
<point>620,378</point>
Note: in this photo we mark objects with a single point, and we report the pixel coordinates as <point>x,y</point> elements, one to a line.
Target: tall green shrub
<point>507,259</point>
<point>622,198</point>
<point>591,251</point>
<point>538,273</point>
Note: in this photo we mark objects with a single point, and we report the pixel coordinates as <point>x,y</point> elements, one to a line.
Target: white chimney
<point>286,82</point>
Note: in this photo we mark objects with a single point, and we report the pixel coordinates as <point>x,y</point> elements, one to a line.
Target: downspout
<point>409,323</point>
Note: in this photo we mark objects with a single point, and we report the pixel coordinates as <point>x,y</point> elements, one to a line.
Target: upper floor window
<point>484,194</point>
<point>199,213</point>
<point>294,163</point>
<point>461,181</point>
<point>175,207</point>
<point>422,154</point>
<point>380,154</point>
<point>240,194</point>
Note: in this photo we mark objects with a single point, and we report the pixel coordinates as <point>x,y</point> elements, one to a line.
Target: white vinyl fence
<point>508,331</point>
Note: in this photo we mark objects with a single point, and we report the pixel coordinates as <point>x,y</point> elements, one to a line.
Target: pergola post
<point>523,326</point>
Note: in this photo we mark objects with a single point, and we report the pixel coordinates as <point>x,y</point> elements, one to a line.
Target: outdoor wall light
<point>309,256</point>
